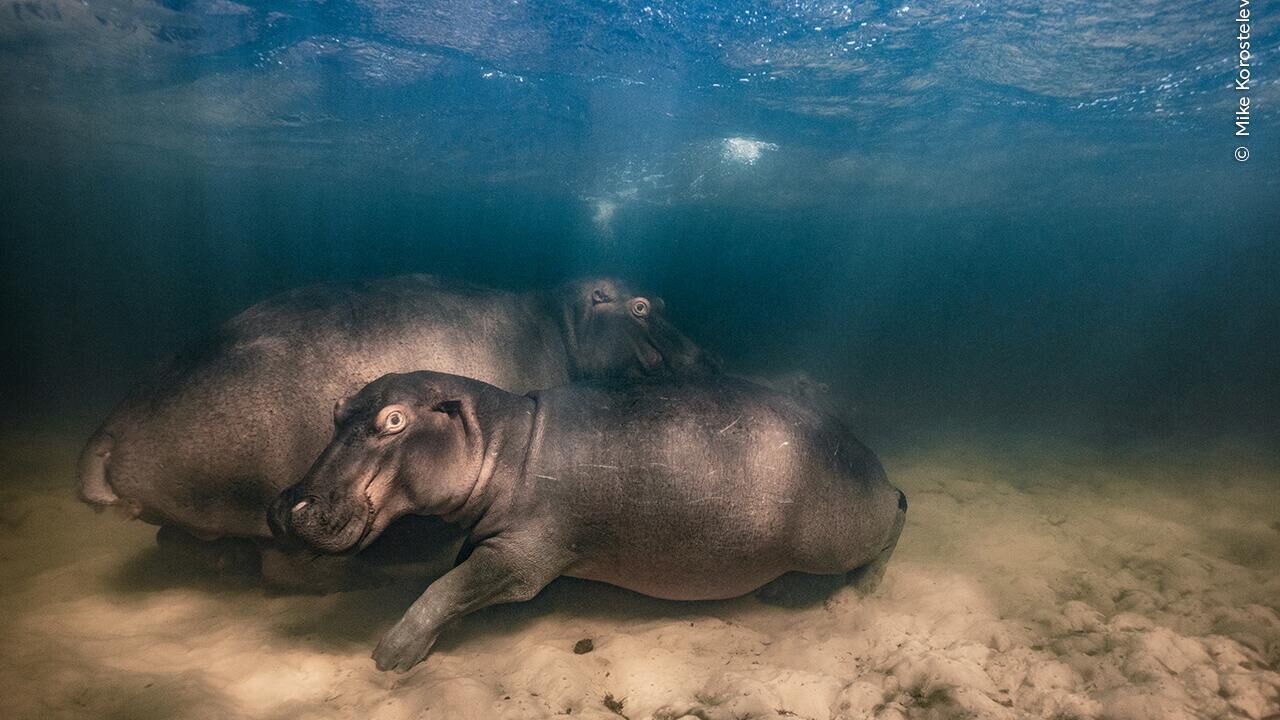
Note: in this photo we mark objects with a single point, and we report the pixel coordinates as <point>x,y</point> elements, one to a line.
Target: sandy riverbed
<point>1033,580</point>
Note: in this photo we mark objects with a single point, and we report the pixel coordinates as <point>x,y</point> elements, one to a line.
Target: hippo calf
<point>687,489</point>
<point>205,447</point>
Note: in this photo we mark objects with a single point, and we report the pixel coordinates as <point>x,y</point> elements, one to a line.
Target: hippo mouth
<point>366,520</point>
<point>364,538</point>
<point>333,528</point>
<point>367,535</point>
<point>650,357</point>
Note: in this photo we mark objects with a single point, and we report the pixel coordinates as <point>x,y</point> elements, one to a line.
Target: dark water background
<point>1003,215</point>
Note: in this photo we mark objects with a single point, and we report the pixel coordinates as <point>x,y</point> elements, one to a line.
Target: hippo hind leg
<point>798,589</point>
<point>866,579</point>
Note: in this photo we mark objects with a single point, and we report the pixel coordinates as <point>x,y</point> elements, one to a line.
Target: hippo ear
<point>340,409</point>
<point>452,407</point>
<point>462,412</point>
<point>601,295</point>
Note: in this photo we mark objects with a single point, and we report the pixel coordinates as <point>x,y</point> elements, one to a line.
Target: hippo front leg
<point>493,574</point>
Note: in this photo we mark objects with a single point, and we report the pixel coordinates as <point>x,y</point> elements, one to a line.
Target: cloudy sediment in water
<point>1015,243</point>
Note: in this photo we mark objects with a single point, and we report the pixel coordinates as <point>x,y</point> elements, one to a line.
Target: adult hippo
<point>683,489</point>
<point>213,438</point>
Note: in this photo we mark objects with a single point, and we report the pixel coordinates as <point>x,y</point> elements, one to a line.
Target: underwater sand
<point>1033,580</point>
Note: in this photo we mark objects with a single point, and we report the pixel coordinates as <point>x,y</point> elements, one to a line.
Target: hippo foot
<point>225,557</point>
<point>797,589</point>
<point>404,646</point>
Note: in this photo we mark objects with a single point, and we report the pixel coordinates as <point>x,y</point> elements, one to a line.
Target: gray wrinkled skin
<point>210,442</point>
<point>686,489</point>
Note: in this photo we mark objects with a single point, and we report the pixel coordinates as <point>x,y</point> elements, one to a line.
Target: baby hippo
<point>679,489</point>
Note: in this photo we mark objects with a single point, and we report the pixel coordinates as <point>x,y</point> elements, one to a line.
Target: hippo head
<point>613,332</point>
<point>403,444</point>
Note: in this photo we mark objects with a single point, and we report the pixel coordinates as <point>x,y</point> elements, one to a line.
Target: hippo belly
<point>722,543</point>
<point>679,577</point>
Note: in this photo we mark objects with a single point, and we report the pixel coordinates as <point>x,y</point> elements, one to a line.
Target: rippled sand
<point>1032,580</point>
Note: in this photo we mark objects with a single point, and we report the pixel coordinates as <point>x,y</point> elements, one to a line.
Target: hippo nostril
<point>281,516</point>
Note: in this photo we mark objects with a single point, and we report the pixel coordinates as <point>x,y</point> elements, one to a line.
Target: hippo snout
<point>329,525</point>
<point>681,355</point>
<point>278,515</point>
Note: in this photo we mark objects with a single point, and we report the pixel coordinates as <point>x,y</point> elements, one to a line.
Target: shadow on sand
<point>156,568</point>
<point>335,621</point>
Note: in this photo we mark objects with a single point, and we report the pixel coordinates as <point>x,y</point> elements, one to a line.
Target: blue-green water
<point>1011,237</point>
<point>951,212</point>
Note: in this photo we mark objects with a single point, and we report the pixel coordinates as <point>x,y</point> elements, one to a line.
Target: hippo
<point>205,447</point>
<point>678,488</point>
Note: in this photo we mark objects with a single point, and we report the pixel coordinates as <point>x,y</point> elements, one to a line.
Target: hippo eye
<point>392,421</point>
<point>640,307</point>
